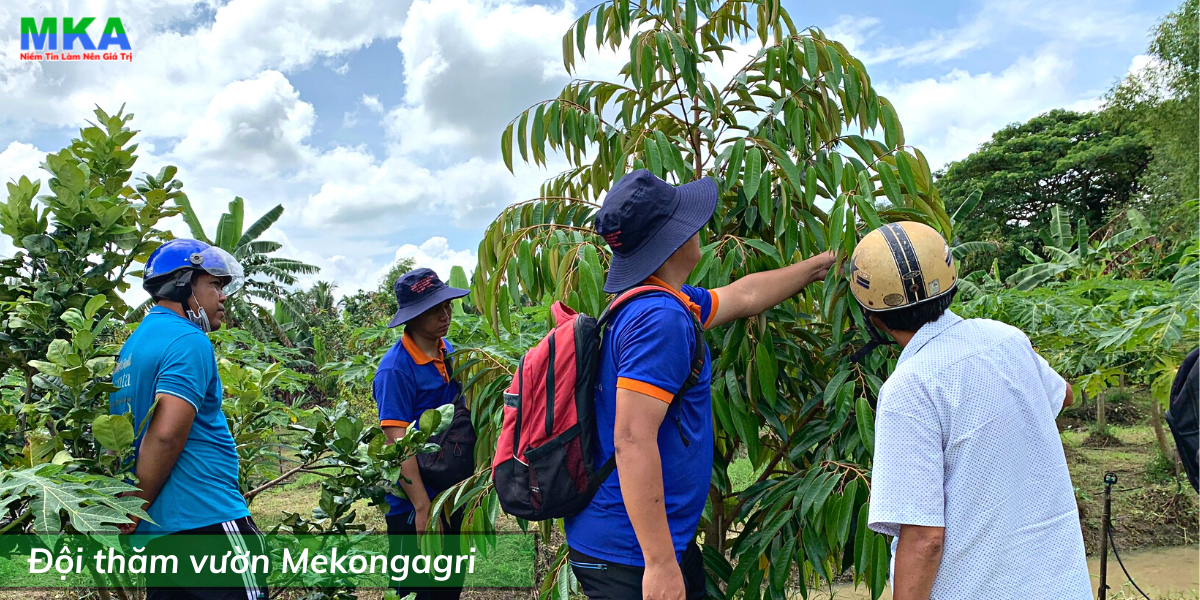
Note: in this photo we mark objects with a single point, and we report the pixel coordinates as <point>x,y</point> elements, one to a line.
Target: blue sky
<point>376,123</point>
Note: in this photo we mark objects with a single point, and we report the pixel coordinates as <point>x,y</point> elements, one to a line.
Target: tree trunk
<point>1156,421</point>
<point>1101,421</point>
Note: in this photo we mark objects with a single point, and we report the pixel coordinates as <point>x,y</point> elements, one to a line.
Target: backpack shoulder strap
<point>624,297</point>
<point>697,353</point>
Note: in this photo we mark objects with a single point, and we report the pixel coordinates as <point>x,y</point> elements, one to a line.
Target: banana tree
<point>266,276</point>
<point>802,147</point>
<point>1077,255</point>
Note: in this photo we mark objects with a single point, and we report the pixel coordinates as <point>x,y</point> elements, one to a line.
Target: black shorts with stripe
<point>240,535</point>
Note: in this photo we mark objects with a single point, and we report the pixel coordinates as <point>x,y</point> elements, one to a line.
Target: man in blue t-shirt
<point>186,460</point>
<point>413,377</point>
<point>635,539</point>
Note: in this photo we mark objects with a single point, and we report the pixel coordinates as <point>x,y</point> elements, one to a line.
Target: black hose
<point>1113,543</point>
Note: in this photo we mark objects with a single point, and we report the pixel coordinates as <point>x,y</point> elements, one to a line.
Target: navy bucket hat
<point>418,291</point>
<point>645,220</point>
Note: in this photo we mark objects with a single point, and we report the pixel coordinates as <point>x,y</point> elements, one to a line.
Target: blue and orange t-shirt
<point>648,348</point>
<point>407,383</point>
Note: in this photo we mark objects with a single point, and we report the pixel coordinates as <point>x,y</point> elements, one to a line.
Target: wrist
<point>660,560</point>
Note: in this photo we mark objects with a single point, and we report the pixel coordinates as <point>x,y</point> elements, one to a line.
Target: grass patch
<point>742,474</point>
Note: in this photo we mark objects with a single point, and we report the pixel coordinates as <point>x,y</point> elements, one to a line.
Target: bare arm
<point>918,556</point>
<point>161,446</point>
<point>756,292</point>
<point>1070,398</point>
<point>640,467</point>
<point>414,487</point>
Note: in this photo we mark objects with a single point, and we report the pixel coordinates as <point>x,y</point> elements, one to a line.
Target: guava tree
<point>803,149</point>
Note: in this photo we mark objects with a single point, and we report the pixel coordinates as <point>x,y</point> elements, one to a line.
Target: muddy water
<point>1163,573</point>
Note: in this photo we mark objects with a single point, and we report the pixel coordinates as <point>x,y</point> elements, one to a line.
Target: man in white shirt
<point>969,476</point>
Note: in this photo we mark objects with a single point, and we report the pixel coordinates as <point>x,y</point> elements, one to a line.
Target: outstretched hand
<point>819,264</point>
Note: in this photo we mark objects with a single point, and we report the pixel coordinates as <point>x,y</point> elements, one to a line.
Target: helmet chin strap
<point>877,340</point>
<point>199,317</point>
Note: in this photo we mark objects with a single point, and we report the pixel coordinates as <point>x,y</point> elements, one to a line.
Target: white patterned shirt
<point>965,439</point>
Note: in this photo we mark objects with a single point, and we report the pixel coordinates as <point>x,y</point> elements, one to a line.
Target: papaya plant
<point>803,149</point>
<point>61,320</point>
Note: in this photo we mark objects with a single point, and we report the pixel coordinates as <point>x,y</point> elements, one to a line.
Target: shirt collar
<point>162,310</point>
<point>926,334</point>
<point>418,355</point>
<point>692,306</point>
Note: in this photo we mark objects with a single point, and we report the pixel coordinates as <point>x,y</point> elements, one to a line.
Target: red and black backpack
<point>543,467</point>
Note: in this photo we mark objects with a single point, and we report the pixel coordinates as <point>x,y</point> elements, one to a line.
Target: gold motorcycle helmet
<point>898,266</point>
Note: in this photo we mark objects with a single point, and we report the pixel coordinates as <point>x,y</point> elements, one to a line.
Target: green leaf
<point>93,306</point>
<point>906,174</point>
<point>767,371</point>
<point>539,135</point>
<point>753,172</point>
<point>430,420</point>
<point>893,134</point>
<point>734,167</point>
<point>39,246</point>
<point>48,369</point>
<point>189,217</point>
<point>891,187</point>
<point>446,414</point>
<point>88,501</point>
<point>114,432</point>
<point>880,559</point>
<point>968,205</point>
<point>811,60</point>
<point>102,366</point>
<point>654,158</point>
<point>837,223</point>
<point>73,318</point>
<point>845,510</point>
<point>1060,228</point>
<point>261,225</point>
<point>59,352</point>
<point>866,423</point>
<point>834,385</point>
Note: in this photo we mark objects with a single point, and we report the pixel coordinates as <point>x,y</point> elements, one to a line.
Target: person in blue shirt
<point>186,462</point>
<point>414,376</point>
<point>636,538</point>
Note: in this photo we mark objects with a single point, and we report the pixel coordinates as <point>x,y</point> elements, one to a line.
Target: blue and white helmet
<point>169,270</point>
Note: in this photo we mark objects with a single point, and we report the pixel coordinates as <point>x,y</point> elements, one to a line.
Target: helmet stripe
<point>905,256</point>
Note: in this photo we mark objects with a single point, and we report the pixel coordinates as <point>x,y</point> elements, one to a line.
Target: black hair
<point>911,318</point>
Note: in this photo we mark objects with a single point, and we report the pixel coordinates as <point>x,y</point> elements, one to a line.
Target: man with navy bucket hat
<point>415,376</point>
<point>636,538</point>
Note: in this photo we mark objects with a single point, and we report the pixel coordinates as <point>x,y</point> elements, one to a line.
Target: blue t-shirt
<point>167,354</point>
<point>408,383</point>
<point>648,348</point>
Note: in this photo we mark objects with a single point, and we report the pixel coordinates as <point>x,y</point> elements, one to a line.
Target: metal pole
<point>1110,478</point>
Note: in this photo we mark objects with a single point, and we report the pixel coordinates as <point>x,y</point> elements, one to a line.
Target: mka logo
<point>44,40</point>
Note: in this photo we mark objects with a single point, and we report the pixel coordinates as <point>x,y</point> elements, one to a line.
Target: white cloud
<point>175,75</point>
<point>436,253</point>
<point>254,124</point>
<point>949,116</point>
<point>342,70</point>
<point>359,191</point>
<point>1075,21</point>
<point>349,119</point>
<point>20,159</point>
<point>372,103</point>
<point>462,76</point>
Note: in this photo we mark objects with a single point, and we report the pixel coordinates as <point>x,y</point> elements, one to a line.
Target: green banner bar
<point>276,560</point>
